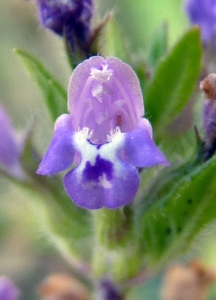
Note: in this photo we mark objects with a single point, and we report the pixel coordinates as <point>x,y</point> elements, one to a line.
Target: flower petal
<point>139,148</point>
<point>101,178</point>
<point>102,184</point>
<point>8,290</point>
<point>203,13</point>
<point>130,82</point>
<point>60,153</point>
<point>103,94</point>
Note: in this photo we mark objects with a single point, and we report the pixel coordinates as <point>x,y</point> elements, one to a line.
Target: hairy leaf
<point>159,44</point>
<point>173,82</point>
<point>54,94</point>
<point>171,224</point>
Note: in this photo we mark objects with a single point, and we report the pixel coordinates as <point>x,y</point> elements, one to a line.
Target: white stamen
<point>103,75</point>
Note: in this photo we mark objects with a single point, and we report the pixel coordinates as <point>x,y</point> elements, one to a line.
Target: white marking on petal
<point>100,119</point>
<point>86,149</point>
<point>108,151</point>
<point>85,132</point>
<point>63,2</point>
<point>98,92</point>
<point>103,182</point>
<point>89,153</point>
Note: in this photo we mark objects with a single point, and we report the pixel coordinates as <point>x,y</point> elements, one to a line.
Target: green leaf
<point>54,94</point>
<point>173,82</point>
<point>111,41</point>
<point>170,225</point>
<point>158,45</point>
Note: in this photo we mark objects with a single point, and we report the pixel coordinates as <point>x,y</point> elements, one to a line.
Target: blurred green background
<point>25,255</point>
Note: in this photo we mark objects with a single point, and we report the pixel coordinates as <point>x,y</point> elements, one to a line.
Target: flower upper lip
<point>111,96</point>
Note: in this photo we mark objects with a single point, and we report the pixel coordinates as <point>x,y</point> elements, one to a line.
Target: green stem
<point>112,227</point>
<point>116,247</point>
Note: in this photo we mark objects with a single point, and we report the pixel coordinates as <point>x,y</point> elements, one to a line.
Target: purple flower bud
<point>56,14</point>
<point>104,134</point>
<point>9,147</point>
<point>203,13</point>
<point>208,85</point>
<point>8,291</point>
<point>68,18</point>
<point>108,291</point>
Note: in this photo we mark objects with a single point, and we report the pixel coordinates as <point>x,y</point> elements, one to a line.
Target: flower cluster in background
<point>8,290</point>
<point>10,149</point>
<point>203,13</point>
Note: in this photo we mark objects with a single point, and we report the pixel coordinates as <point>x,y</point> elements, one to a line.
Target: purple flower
<point>10,149</point>
<point>203,13</point>
<point>8,291</point>
<point>104,135</point>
